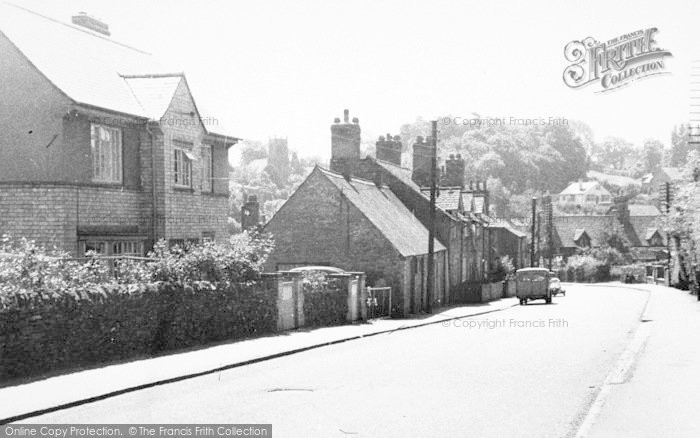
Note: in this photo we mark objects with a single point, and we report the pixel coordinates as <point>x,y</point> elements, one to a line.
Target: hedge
<point>40,333</point>
<point>325,307</point>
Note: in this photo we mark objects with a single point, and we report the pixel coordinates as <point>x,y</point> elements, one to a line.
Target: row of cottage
<point>102,149</point>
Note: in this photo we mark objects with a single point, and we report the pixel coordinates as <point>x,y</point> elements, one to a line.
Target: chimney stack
<point>92,23</point>
<point>250,213</point>
<point>389,149</point>
<point>345,145</point>
<point>421,161</point>
<point>454,168</point>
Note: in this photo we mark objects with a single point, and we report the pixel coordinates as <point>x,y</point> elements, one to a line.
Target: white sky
<point>283,68</point>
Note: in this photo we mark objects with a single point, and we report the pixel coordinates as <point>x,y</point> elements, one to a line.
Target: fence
<point>378,302</point>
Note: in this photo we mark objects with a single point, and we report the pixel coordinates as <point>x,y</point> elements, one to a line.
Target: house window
<point>605,198</point>
<point>109,246</point>
<point>207,236</point>
<point>590,198</point>
<point>127,247</point>
<point>572,198</point>
<point>207,166</point>
<point>183,243</point>
<point>182,166</point>
<point>106,145</point>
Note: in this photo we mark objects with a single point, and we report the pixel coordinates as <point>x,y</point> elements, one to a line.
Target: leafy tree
<point>614,150</point>
<point>252,150</point>
<point>679,145</point>
<point>652,153</point>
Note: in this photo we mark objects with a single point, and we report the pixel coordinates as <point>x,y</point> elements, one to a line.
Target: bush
<point>586,268</point>
<point>325,307</point>
<point>238,261</point>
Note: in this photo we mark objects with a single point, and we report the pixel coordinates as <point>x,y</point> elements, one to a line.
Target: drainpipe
<point>154,212</point>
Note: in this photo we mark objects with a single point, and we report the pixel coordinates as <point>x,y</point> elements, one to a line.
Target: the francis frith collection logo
<point>616,62</point>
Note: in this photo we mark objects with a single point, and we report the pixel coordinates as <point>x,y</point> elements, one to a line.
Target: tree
<point>614,150</point>
<point>252,150</point>
<point>679,145</point>
<point>652,154</point>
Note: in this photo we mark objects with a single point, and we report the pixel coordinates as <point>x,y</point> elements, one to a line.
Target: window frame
<point>185,159</point>
<point>114,171</point>
<point>207,168</point>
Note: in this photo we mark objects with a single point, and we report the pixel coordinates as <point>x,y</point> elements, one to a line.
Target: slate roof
<point>673,173</point>
<point>650,233</point>
<point>154,94</point>
<point>91,68</point>
<point>386,212</point>
<point>638,227</point>
<point>643,210</point>
<point>447,198</point>
<point>567,229</point>
<point>577,188</point>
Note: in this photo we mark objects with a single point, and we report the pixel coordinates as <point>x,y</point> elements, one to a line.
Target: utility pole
<point>550,226</point>
<point>532,238</point>
<point>668,235</point>
<point>431,218</point>
<point>538,250</point>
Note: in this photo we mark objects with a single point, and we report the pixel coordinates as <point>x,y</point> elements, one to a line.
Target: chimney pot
<point>397,138</point>
<point>346,115</point>
<point>419,139</point>
<point>355,120</point>
<point>336,120</point>
<point>452,156</point>
<point>459,156</point>
<point>381,138</point>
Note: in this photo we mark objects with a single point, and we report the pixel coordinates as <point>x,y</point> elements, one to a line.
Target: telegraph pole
<point>532,239</point>
<point>668,236</point>
<point>431,218</point>
<point>550,226</point>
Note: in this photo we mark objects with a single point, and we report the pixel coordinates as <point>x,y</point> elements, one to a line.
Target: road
<point>527,371</point>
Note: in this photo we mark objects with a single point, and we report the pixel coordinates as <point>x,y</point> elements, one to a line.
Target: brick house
<point>357,225</point>
<point>100,148</point>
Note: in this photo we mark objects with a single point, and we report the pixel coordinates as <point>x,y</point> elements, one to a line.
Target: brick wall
<point>52,213</point>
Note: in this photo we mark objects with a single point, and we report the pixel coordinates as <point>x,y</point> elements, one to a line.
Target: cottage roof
<point>568,229</point>
<point>386,212</point>
<point>446,198</point>
<point>643,210</point>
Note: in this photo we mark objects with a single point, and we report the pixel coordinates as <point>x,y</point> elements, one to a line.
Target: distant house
<point>357,225</point>
<point>100,149</point>
<point>638,224</point>
<point>585,193</point>
<point>661,176</point>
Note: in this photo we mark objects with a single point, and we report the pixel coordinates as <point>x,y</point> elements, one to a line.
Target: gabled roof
<point>90,68</point>
<point>579,188</point>
<point>637,228</point>
<point>386,212</point>
<point>650,233</point>
<point>82,64</point>
<point>567,229</point>
<point>154,94</point>
<point>673,173</point>
<point>578,233</point>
